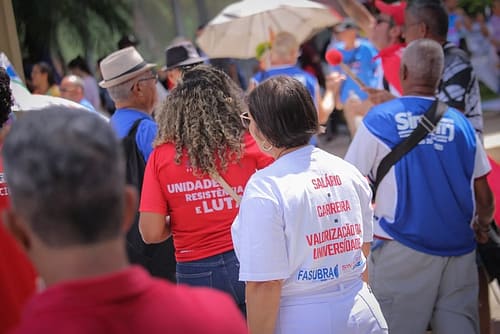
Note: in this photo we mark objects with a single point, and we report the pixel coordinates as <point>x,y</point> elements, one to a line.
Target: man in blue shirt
<point>358,54</point>
<point>429,208</point>
<point>131,84</point>
<point>283,61</point>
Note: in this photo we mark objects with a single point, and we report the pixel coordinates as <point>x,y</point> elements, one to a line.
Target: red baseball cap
<point>396,10</point>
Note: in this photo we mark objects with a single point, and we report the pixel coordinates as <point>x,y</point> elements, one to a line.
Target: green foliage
<point>91,28</point>
<point>45,26</point>
<point>474,6</point>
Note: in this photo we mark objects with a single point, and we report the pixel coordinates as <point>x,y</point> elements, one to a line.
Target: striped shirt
<point>459,87</point>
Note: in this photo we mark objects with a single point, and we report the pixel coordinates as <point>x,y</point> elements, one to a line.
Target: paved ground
<point>338,145</point>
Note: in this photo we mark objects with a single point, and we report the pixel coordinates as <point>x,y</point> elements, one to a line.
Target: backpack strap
<point>134,127</point>
<point>426,124</point>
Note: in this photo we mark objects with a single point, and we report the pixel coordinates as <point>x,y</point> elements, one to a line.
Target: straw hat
<point>121,66</point>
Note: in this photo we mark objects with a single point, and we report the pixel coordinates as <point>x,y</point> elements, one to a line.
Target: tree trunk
<point>179,27</point>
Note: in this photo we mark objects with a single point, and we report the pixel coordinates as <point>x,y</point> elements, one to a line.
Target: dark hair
<point>79,63</point>
<point>5,96</point>
<point>46,68</point>
<point>283,111</point>
<point>432,13</point>
<point>69,182</point>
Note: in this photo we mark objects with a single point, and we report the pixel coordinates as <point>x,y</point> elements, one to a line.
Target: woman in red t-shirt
<point>200,134</point>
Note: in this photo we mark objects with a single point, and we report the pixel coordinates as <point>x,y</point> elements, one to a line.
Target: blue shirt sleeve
<point>146,133</point>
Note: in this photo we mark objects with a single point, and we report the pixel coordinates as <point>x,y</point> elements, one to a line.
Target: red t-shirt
<point>17,275</point>
<point>130,301</point>
<point>201,212</point>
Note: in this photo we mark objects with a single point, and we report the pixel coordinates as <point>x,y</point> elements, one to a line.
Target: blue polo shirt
<point>123,119</point>
<point>308,80</point>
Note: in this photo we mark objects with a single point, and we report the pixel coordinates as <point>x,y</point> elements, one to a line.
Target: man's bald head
<point>72,88</point>
<point>422,64</point>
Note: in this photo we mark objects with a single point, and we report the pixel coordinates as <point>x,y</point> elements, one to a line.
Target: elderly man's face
<point>147,85</point>
<point>70,91</point>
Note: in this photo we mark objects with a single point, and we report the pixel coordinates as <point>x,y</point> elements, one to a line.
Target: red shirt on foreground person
<point>130,301</point>
<point>71,214</point>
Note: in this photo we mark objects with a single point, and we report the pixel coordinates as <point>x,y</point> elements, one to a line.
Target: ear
<point>136,89</point>
<point>424,30</point>
<point>130,209</point>
<point>18,229</point>
<point>404,72</point>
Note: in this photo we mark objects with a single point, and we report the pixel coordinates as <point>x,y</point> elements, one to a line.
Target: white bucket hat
<point>121,66</point>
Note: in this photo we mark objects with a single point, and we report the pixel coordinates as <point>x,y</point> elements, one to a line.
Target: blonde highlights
<point>201,118</point>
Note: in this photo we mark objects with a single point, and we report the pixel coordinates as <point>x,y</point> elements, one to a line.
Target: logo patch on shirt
<point>319,274</point>
<point>442,134</point>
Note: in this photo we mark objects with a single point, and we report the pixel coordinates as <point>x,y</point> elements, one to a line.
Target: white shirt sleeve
<point>259,238</point>
<point>365,199</point>
<point>481,163</point>
<point>362,152</point>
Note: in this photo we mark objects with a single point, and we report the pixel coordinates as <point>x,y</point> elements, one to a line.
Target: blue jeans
<point>219,272</point>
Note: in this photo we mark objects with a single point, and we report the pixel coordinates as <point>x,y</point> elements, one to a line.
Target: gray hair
<point>66,175</point>
<point>424,59</point>
<point>123,91</point>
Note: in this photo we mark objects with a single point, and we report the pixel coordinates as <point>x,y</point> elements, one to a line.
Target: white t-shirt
<point>304,219</point>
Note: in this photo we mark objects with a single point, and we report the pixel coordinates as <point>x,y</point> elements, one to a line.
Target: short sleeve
<point>481,163</point>
<point>365,202</point>
<point>259,239</point>
<point>362,151</point>
<point>152,199</point>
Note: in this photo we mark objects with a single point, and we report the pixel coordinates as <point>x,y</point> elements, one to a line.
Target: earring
<point>266,149</point>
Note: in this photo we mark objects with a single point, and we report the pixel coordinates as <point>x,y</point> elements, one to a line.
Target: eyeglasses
<point>154,76</point>
<point>245,119</point>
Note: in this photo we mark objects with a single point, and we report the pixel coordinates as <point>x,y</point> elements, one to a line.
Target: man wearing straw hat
<point>131,84</point>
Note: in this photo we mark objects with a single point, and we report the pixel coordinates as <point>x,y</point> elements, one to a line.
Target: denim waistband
<point>218,259</point>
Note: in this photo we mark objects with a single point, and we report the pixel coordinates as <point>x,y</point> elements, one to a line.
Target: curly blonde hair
<point>201,117</point>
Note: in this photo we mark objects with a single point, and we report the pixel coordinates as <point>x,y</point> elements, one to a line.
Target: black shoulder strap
<point>426,124</point>
<point>133,129</point>
<point>135,163</point>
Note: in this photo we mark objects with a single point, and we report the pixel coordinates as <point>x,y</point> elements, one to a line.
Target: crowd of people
<point>204,205</point>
